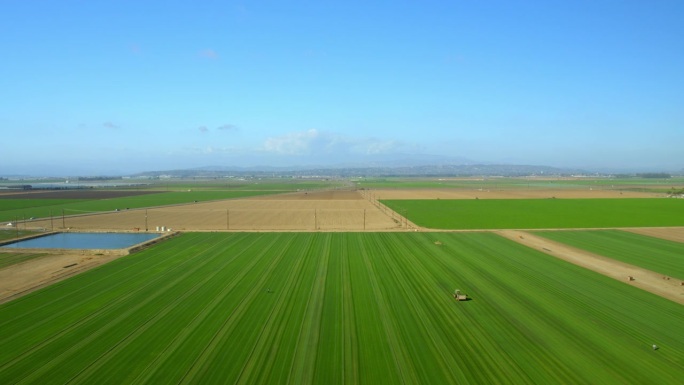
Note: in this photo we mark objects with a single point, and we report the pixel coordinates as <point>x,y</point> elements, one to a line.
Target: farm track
<point>199,367</point>
<point>215,298</point>
<point>645,279</point>
<point>403,364</point>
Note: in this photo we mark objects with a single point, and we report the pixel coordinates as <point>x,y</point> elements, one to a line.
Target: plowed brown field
<point>303,211</point>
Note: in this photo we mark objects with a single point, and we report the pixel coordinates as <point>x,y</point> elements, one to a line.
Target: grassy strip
<point>8,259</point>
<point>540,213</point>
<point>659,255</point>
<point>13,233</point>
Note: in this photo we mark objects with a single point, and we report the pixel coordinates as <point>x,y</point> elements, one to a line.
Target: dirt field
<point>23,278</point>
<point>670,233</point>
<point>303,211</point>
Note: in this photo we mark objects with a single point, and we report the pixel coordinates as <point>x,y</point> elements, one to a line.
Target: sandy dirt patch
<point>302,211</point>
<point>670,233</point>
<point>23,278</point>
<point>643,279</point>
<point>506,194</point>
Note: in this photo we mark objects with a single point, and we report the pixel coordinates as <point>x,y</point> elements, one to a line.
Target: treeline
<point>654,175</point>
<point>97,178</point>
<point>648,175</point>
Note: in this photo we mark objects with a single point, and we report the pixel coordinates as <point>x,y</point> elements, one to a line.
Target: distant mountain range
<point>370,171</point>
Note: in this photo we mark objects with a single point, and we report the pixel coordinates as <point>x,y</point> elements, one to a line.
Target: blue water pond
<point>83,241</point>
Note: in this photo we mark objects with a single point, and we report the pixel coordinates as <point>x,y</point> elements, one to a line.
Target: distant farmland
<point>540,213</point>
<point>335,308</point>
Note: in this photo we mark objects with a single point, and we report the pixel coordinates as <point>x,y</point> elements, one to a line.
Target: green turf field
<point>342,308</point>
<point>659,255</point>
<point>540,213</point>
<point>507,183</point>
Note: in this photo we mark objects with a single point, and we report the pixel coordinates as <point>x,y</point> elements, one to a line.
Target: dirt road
<point>643,279</point>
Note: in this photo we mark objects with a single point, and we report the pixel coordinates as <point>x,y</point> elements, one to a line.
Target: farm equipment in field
<point>460,297</point>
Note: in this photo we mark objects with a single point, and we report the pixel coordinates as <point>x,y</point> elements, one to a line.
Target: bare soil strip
<point>642,278</point>
<point>23,278</point>
<point>669,233</point>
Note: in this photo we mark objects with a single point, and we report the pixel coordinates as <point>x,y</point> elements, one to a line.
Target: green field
<point>343,308</point>
<point>659,255</point>
<point>508,183</point>
<point>20,209</point>
<point>540,213</point>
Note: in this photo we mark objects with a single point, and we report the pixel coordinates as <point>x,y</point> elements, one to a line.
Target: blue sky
<point>103,87</point>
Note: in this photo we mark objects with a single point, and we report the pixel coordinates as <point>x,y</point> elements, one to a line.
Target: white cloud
<point>293,143</point>
<point>209,54</point>
<point>315,142</point>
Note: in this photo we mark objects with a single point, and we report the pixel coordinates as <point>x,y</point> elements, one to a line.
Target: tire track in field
<point>304,360</point>
<point>199,365</point>
<point>147,373</point>
<point>404,364</point>
<point>351,338</point>
<point>259,365</point>
<point>123,343</point>
<point>643,279</point>
<point>437,323</point>
<point>111,324</point>
<point>81,289</point>
<point>78,322</point>
<point>479,322</point>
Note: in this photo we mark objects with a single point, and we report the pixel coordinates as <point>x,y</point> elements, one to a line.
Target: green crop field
<point>331,308</point>
<point>540,213</point>
<point>508,183</point>
<point>659,255</point>
<point>20,209</point>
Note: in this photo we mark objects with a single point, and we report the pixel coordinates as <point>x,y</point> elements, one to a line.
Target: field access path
<point>644,279</point>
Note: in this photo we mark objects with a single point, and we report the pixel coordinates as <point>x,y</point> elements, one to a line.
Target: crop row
<point>340,308</point>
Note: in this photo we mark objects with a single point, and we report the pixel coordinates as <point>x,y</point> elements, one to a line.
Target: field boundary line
<point>237,314</point>
<point>115,321</point>
<point>404,365</point>
<point>303,369</point>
